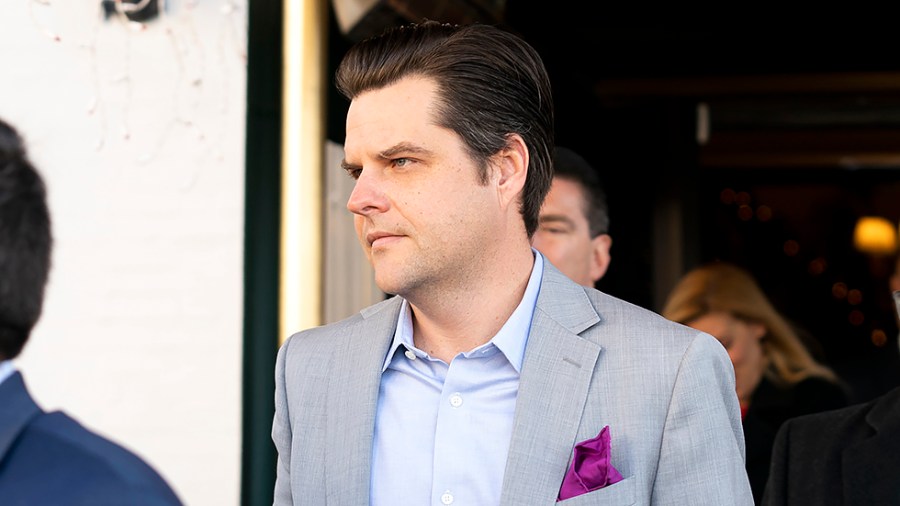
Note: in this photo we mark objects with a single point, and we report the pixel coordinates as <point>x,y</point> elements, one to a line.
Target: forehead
<point>716,323</point>
<point>568,186</point>
<point>566,192</point>
<point>396,113</point>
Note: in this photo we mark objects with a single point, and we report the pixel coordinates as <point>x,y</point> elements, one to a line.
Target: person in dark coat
<point>842,457</point>
<point>846,456</point>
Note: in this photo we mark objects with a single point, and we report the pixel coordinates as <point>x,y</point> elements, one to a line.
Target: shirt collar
<point>6,370</point>
<point>510,339</point>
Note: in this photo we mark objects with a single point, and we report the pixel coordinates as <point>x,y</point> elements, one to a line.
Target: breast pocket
<point>617,494</point>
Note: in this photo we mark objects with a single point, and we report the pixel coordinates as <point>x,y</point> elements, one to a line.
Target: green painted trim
<point>261,248</point>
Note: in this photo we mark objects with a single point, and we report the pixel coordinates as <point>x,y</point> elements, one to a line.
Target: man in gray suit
<point>490,378</point>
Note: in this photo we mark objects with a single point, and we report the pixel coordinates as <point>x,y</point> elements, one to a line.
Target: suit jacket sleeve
<point>281,433</point>
<point>702,454</point>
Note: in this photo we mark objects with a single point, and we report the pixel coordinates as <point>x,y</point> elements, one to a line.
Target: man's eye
<point>401,162</point>
<point>354,172</point>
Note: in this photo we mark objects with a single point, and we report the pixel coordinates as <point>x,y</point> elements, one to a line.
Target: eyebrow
<point>392,152</point>
<point>555,218</point>
<point>403,147</point>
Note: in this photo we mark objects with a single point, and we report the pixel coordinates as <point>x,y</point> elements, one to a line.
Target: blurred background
<point>192,149</point>
<point>770,139</point>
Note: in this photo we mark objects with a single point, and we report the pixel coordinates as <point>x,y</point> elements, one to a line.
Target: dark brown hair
<point>568,164</point>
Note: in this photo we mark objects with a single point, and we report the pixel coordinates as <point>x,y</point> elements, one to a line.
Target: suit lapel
<point>354,380</point>
<point>553,388</point>
<point>870,467</point>
<point>17,409</point>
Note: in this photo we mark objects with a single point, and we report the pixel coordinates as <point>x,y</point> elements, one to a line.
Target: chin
<point>398,283</point>
<point>388,283</point>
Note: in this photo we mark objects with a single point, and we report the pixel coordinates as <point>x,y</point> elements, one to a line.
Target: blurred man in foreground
<point>47,458</point>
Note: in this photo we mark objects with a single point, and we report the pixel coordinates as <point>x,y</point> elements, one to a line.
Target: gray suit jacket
<point>665,390</point>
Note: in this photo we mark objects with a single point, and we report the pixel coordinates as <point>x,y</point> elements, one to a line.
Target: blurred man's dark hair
<point>570,165</point>
<point>25,243</point>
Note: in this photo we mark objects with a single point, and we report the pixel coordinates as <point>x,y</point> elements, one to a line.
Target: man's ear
<point>511,168</point>
<point>600,256</point>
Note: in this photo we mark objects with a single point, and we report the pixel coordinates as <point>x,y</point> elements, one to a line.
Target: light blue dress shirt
<point>6,370</point>
<point>442,431</point>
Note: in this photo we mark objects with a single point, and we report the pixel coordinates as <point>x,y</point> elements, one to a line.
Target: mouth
<point>376,239</point>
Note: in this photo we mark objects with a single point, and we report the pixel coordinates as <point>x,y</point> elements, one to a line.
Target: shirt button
<point>447,498</point>
<point>455,401</point>
<point>409,354</point>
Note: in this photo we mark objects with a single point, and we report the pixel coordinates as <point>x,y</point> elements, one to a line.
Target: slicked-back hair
<point>568,164</point>
<point>25,243</point>
<point>490,82</point>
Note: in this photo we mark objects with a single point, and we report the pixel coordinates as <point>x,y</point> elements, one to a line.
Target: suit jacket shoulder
<point>50,458</point>
<point>326,390</point>
<point>317,342</point>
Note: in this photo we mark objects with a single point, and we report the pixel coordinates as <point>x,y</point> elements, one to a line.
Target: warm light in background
<point>875,235</point>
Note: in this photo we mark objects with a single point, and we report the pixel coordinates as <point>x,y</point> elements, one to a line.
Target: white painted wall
<point>139,134</point>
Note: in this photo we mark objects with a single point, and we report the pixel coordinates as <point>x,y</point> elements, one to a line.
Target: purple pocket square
<point>591,468</point>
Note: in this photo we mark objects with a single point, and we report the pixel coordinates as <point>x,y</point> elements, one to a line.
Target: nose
<point>367,197</point>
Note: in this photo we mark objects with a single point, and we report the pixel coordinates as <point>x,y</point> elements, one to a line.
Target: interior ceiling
<point>607,40</point>
<point>600,51</point>
<point>601,39</point>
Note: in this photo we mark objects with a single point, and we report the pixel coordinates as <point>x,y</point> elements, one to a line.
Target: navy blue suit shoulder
<point>49,458</point>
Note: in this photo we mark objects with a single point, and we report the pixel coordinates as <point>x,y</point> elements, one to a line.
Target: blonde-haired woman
<point>776,377</point>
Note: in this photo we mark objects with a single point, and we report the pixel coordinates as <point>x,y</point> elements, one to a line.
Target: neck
<point>449,322</point>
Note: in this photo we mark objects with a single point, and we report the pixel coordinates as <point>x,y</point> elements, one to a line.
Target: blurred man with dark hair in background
<point>573,231</point>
